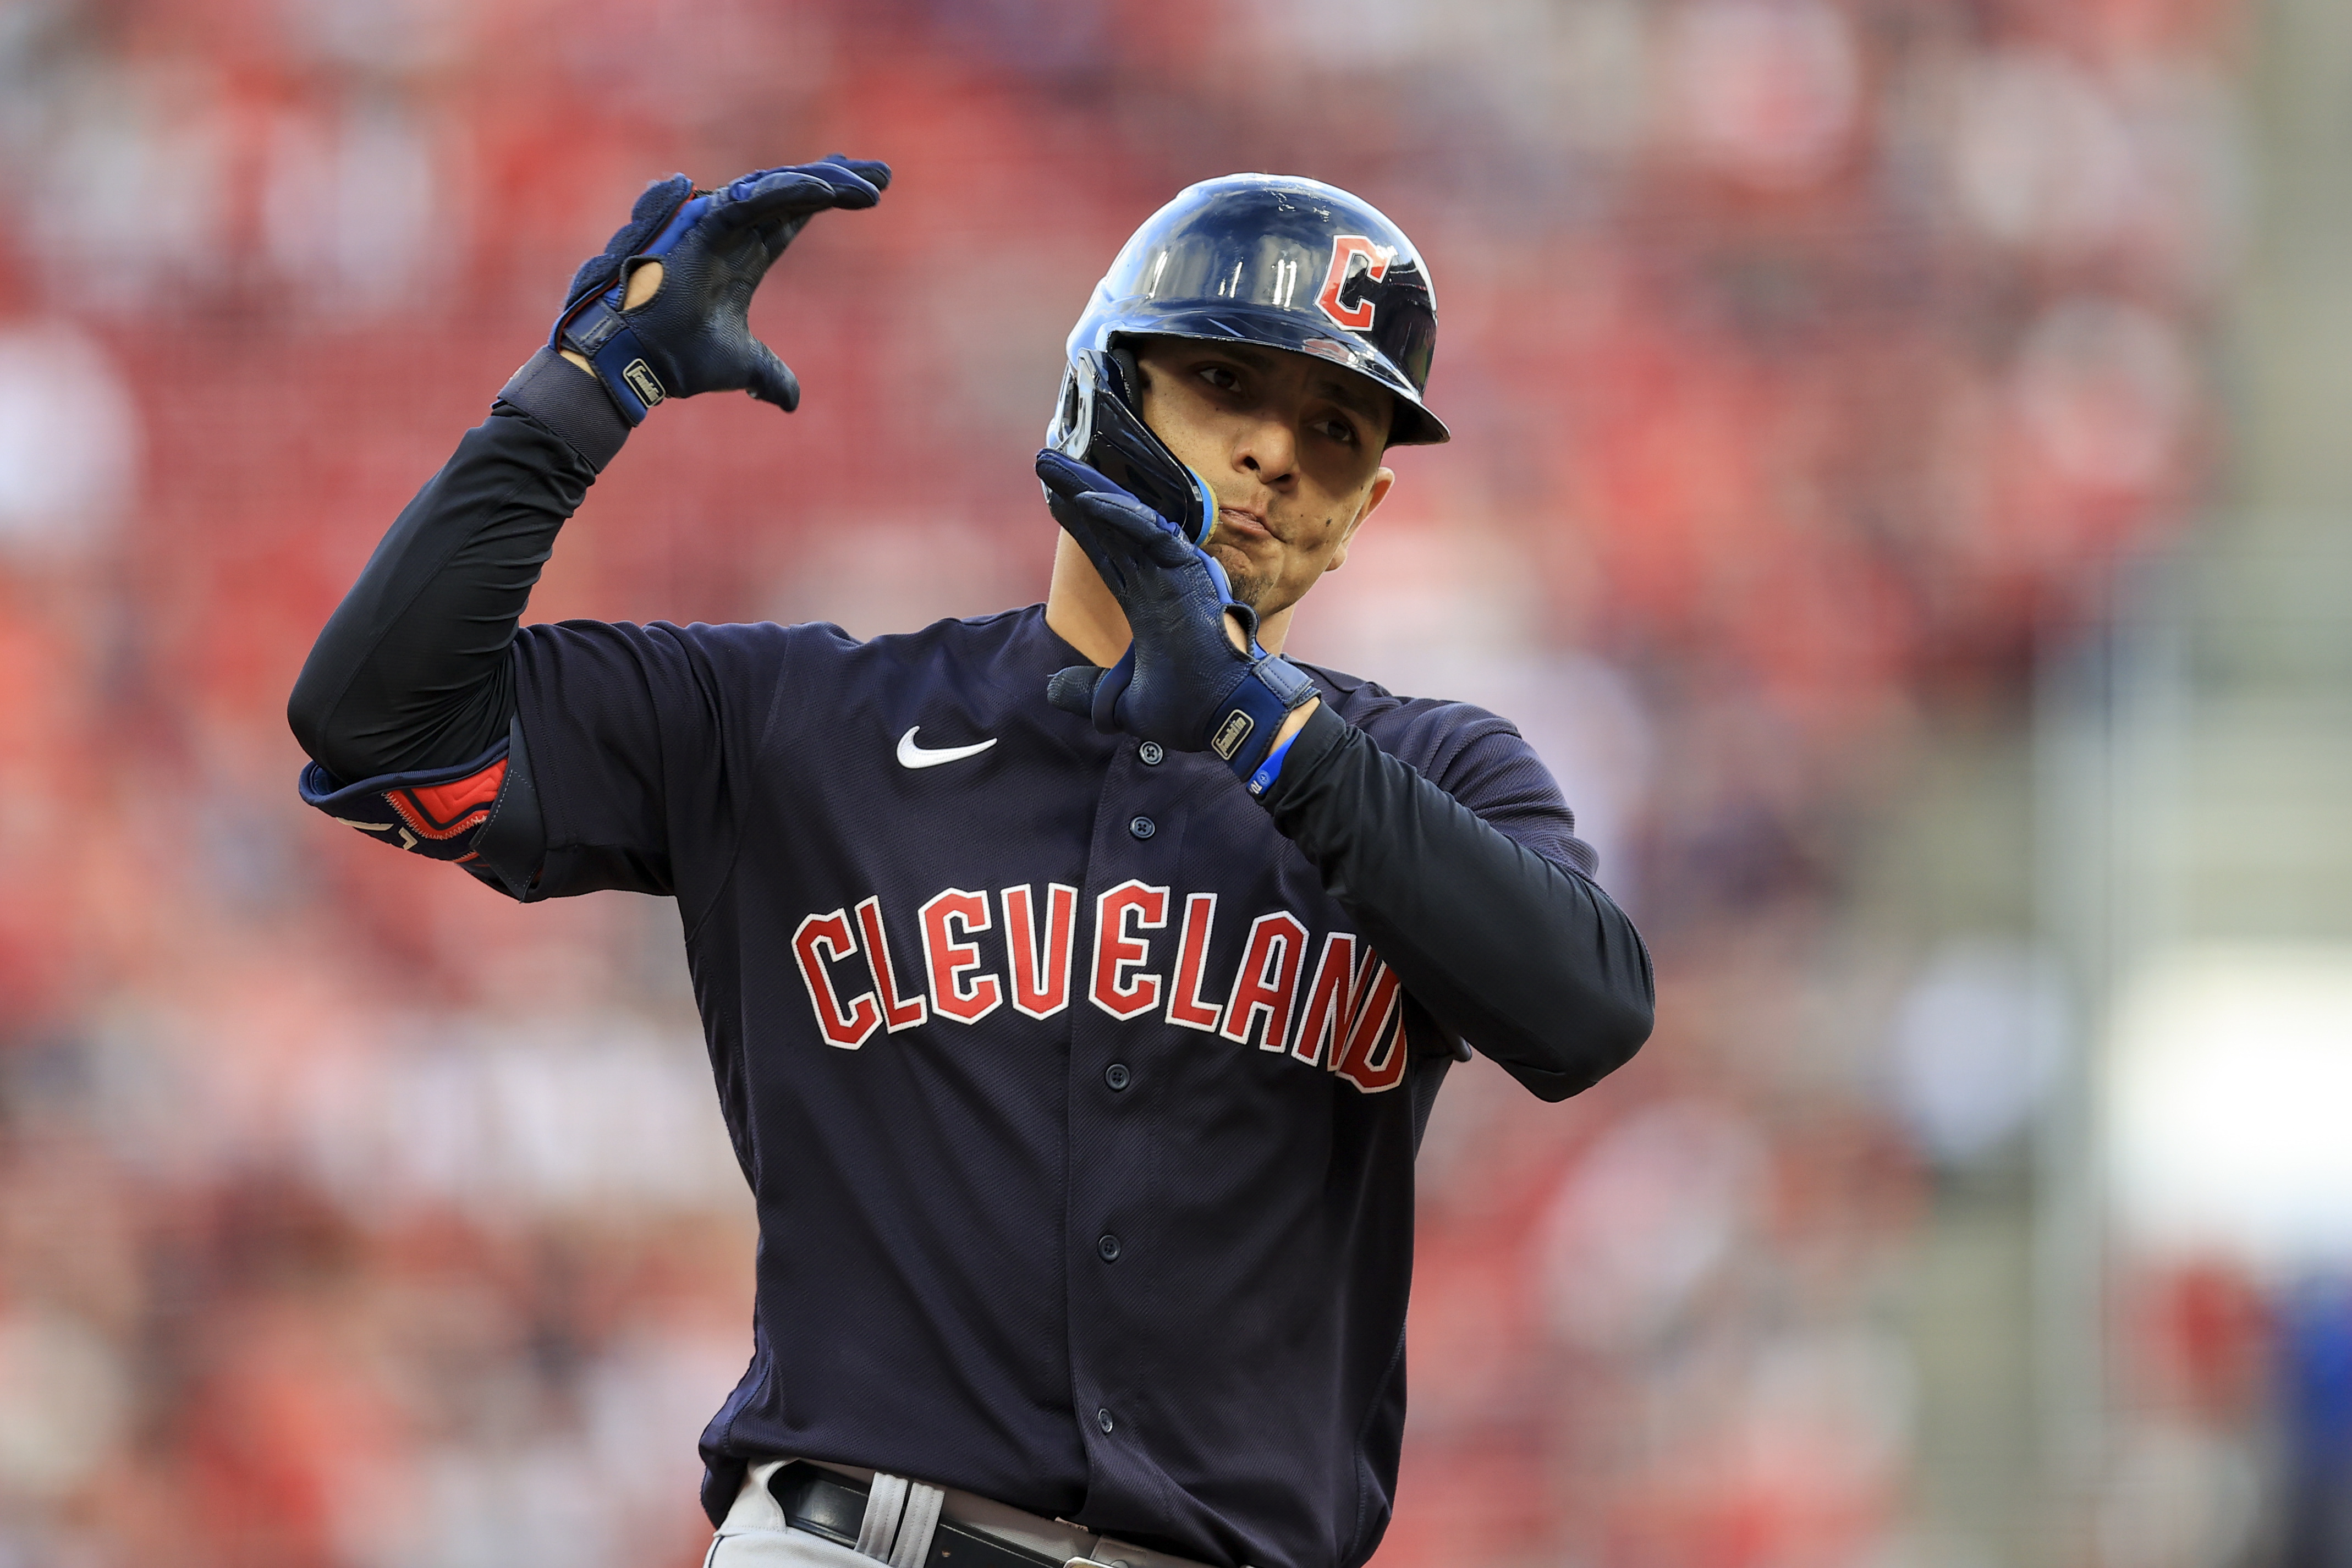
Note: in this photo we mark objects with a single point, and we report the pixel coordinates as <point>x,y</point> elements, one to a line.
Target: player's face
<point>1290,446</point>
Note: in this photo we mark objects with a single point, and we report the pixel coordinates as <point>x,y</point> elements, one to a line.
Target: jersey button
<point>1143,826</point>
<point>1117,1075</point>
<point>1107,1247</point>
<point>1102,1419</point>
<point>1150,754</point>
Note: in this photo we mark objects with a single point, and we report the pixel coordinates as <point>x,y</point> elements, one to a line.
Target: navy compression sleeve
<point>414,671</point>
<point>1524,956</point>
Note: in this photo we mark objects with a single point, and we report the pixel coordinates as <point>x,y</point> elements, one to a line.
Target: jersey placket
<point>1133,914</point>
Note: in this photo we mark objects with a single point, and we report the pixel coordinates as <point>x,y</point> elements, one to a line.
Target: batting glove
<point>694,335</point>
<point>1181,681</point>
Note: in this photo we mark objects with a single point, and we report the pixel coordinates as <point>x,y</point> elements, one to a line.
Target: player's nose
<point>1268,449</point>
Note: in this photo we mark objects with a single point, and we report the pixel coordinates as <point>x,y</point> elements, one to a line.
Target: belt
<point>828,1503</point>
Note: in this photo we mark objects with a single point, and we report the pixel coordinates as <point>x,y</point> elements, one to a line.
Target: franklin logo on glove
<point>1231,733</point>
<point>640,378</point>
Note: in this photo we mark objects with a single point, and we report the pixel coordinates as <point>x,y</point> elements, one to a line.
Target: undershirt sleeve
<point>412,685</point>
<point>1476,893</point>
<point>412,671</point>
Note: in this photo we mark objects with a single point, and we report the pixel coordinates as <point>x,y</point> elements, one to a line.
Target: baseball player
<point>1076,979</point>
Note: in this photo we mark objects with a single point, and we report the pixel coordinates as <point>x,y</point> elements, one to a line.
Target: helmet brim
<point>1413,424</point>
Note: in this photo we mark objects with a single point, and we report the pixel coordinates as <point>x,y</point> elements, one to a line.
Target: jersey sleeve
<point>1436,826</point>
<point>1481,759</point>
<point>642,740</point>
<point>622,769</point>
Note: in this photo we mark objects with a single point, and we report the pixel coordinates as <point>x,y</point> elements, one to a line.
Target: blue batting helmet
<point>1285,263</point>
<point>1269,259</point>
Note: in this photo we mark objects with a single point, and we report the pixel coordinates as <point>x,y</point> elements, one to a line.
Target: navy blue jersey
<point>1069,1095</point>
<point>1077,1089</point>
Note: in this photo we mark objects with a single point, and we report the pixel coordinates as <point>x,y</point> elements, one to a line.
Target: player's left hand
<point>1182,681</point>
<point>694,335</point>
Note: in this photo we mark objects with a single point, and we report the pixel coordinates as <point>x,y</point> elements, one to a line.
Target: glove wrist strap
<point>1252,714</point>
<point>603,337</point>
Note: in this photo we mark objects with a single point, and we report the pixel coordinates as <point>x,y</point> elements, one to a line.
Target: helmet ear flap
<point>1071,431</point>
<point>1096,421</point>
<point>1128,385</point>
<point>1113,370</point>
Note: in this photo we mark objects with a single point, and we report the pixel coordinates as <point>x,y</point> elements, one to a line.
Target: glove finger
<point>1112,507</point>
<point>1109,689</point>
<point>1136,527</point>
<point>1068,476</point>
<point>875,173</point>
<point>851,187</point>
<point>773,193</point>
<point>1116,567</point>
<point>772,379</point>
<point>1073,690</point>
<point>1071,486</point>
<point>1226,587</point>
<point>1123,514</point>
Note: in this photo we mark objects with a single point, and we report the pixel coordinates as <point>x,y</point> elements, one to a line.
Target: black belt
<point>833,1506</point>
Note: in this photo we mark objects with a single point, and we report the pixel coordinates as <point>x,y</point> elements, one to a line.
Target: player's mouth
<point>1242,522</point>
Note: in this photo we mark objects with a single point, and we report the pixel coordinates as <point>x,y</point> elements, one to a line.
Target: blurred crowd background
<point>1859,406</point>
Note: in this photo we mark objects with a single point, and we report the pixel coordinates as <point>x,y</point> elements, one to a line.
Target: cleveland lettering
<point>966,953</point>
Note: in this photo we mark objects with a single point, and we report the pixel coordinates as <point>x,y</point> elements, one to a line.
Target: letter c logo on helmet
<point>1346,249</point>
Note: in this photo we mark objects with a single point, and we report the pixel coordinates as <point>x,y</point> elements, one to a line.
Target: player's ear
<point>1373,497</point>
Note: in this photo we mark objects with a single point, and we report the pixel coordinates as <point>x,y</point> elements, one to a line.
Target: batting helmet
<point>1269,259</point>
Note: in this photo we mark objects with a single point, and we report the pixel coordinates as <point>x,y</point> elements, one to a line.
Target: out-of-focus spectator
<point>69,442</point>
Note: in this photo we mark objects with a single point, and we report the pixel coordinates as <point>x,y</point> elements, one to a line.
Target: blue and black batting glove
<point>1181,681</point>
<point>695,334</point>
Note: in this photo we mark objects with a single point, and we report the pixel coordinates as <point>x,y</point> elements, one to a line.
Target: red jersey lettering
<point>1119,950</point>
<point>1365,1064</point>
<point>1330,1002</point>
<point>898,1013</point>
<point>822,938</point>
<point>951,959</point>
<point>1041,959</point>
<point>1267,985</point>
<point>1186,1006</point>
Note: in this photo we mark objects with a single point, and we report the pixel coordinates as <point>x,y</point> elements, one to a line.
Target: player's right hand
<point>1185,681</point>
<point>714,246</point>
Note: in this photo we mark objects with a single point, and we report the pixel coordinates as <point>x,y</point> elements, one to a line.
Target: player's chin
<point>1248,579</point>
<point>1252,588</point>
<point>1242,563</point>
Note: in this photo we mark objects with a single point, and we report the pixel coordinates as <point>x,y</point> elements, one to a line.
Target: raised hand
<point>712,249</point>
<point>1185,681</point>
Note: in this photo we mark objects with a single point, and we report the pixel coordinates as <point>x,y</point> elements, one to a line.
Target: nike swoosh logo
<point>913,756</point>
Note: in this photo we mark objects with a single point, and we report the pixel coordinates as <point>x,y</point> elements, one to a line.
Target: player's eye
<point>1221,377</point>
<point>1338,430</point>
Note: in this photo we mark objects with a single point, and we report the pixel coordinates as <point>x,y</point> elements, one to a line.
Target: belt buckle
<point>1086,1562</point>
